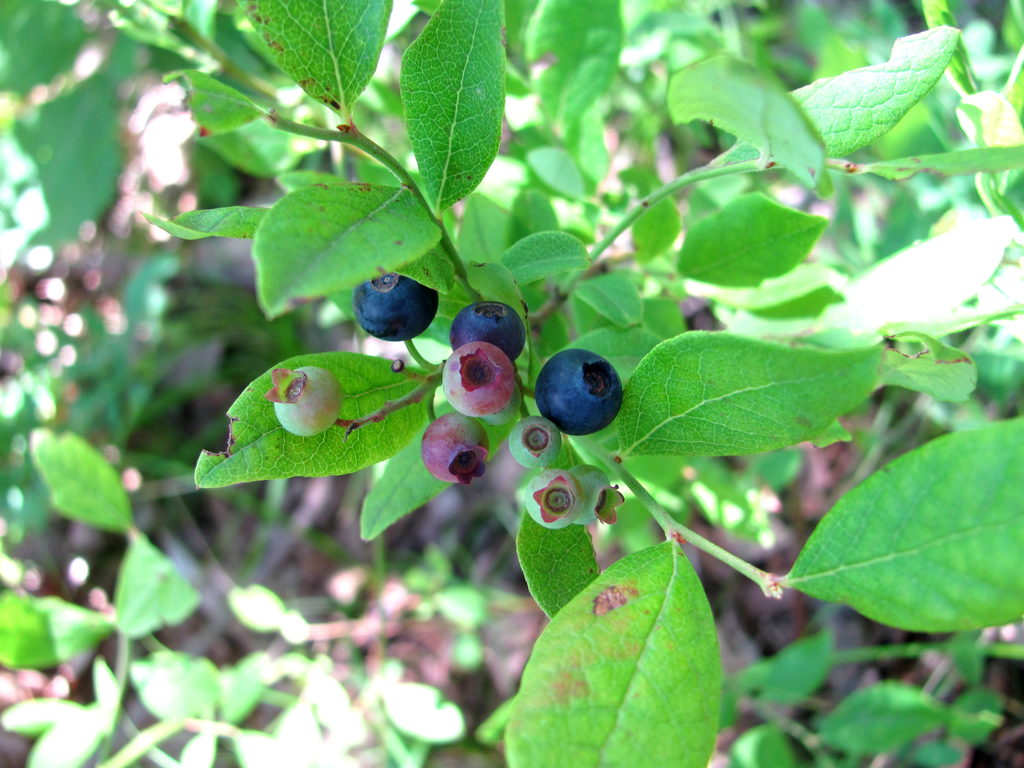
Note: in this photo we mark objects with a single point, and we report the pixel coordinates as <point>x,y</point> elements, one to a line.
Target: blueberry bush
<point>659,252</point>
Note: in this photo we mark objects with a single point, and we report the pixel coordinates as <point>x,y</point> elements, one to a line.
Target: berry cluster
<point>577,392</point>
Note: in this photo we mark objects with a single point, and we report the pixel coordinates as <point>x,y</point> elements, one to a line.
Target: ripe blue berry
<point>394,307</point>
<point>579,391</point>
<point>490,321</point>
<point>454,448</point>
<point>534,442</point>
<point>478,379</point>
<point>554,498</point>
<point>306,400</point>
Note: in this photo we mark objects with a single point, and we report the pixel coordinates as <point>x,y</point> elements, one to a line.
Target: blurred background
<point>309,642</point>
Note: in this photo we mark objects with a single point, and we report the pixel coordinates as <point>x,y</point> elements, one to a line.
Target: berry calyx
<point>306,400</point>
<point>394,307</point>
<point>579,391</point>
<point>490,321</point>
<point>534,442</point>
<point>553,498</point>
<point>478,379</point>
<point>454,449</point>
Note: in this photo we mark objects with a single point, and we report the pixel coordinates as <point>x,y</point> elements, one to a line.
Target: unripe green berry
<point>600,500</point>
<point>306,400</point>
<point>554,498</point>
<point>535,442</point>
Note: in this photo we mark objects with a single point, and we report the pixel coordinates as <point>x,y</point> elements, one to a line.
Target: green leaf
<point>483,231</point>
<point>631,658</point>
<point>755,109</point>
<point>494,282</point>
<point>931,542</point>
<point>575,55</point>
<point>24,26</point>
<point>989,120</point>
<point>258,608</point>
<point>200,752</point>
<point>557,564</point>
<point>71,741</point>
<point>943,372</point>
<point>614,296</point>
<point>885,716</point>
<point>938,14</point>
<point>259,449</point>
<point>259,149</point>
<point>556,168</point>
<point>217,107</point>
<point>421,711</point>
<point>238,221</point>
<point>924,282</point>
<point>543,254</point>
<point>403,486</point>
<point>624,348</point>
<point>242,687</point>
<point>329,49</point>
<point>31,717</point>
<point>853,109</point>
<point>82,483</point>
<point>794,673</point>
<point>453,89</point>
<point>716,394</point>
<point>656,231</point>
<point>433,269</point>
<point>975,715</point>
<point>150,592</point>
<point>320,239</point>
<point>752,239</point>
<point>764,746</point>
<point>959,163</point>
<point>38,632</point>
<point>172,685</point>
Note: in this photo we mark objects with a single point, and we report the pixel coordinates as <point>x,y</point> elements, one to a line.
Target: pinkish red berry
<point>454,449</point>
<point>478,379</point>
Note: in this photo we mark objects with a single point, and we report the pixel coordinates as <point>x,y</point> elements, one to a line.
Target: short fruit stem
<point>769,582</point>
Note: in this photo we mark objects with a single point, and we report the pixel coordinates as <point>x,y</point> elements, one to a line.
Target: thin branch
<point>391,406</point>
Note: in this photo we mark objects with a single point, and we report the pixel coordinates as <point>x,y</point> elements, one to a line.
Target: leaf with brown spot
<point>631,659</point>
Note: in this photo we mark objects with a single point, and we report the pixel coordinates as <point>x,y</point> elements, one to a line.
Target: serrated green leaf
<point>853,109</point>
<point>453,89</point>
<point>624,348</point>
<point>217,107</point>
<point>579,53</point>
<point>614,296</point>
<point>172,685</point>
<point>752,239</point>
<point>38,632</point>
<point>82,483</point>
<point>924,282</point>
<point>943,372</point>
<point>150,592</point>
<point>404,485</point>
<point>543,254</point>
<point>885,716</point>
<point>329,49</point>
<point>557,564</point>
<point>954,504</point>
<point>738,98</point>
<point>260,449</point>
<point>238,221</point>
<point>716,394</point>
<point>632,657</point>
<point>959,163</point>
<point>320,239</point>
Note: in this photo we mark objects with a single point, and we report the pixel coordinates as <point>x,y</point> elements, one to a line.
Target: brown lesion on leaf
<point>612,597</point>
<point>570,684</point>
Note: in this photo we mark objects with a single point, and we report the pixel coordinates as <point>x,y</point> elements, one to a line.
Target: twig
<point>351,425</point>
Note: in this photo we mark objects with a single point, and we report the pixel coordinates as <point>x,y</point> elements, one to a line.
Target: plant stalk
<point>769,582</point>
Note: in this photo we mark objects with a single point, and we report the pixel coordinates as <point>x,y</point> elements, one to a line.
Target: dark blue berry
<point>394,307</point>
<point>490,321</point>
<point>578,391</point>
